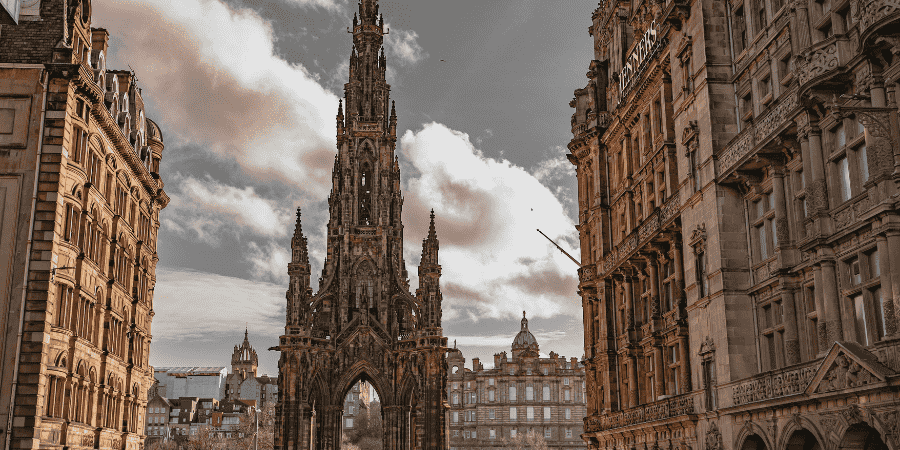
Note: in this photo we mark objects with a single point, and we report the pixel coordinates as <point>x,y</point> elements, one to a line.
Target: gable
<point>848,365</point>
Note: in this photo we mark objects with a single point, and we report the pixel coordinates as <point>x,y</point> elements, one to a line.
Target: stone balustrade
<point>651,412</point>
<point>640,237</point>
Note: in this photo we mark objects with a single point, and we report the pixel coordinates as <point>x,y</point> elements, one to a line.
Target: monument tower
<point>363,324</point>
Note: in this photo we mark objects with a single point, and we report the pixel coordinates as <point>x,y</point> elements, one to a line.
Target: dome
<point>524,340</point>
<point>153,131</point>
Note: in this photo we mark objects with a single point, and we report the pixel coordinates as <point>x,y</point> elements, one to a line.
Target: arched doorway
<point>803,440</point>
<point>862,437</point>
<point>754,442</point>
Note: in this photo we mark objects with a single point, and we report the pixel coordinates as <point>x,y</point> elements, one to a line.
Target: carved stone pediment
<point>848,365</point>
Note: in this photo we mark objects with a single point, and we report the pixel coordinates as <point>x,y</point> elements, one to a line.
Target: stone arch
<point>797,432</point>
<point>753,437</point>
<point>364,371</point>
<point>862,436</point>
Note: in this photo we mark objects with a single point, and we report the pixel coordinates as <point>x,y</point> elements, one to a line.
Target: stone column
<point>887,288</point>
<point>632,381</point>
<point>629,302</point>
<point>791,336</point>
<point>833,324</point>
<point>659,374</point>
<point>781,220</point>
<point>678,260</point>
<point>684,370</point>
<point>893,255</point>
<point>653,269</point>
<point>821,332</point>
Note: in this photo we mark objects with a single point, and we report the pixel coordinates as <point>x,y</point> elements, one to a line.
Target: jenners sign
<point>636,62</point>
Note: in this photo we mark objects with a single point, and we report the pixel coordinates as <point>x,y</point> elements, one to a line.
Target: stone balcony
<point>820,64</point>
<point>649,228</point>
<point>875,15</point>
<point>669,408</point>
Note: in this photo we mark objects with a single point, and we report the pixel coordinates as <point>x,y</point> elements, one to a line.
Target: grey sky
<point>246,94</point>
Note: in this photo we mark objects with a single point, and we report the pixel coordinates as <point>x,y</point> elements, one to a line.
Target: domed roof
<point>153,131</point>
<point>524,340</point>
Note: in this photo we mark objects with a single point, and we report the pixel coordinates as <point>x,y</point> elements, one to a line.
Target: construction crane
<point>560,248</point>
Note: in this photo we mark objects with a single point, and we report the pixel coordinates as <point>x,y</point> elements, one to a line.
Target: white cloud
<point>215,75</point>
<point>404,45</point>
<point>488,210</point>
<point>269,263</point>
<point>207,208</point>
<point>190,304</point>
<point>332,5</point>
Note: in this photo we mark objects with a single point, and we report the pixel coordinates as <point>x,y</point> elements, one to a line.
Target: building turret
<point>299,291</point>
<point>244,360</point>
<point>429,292</point>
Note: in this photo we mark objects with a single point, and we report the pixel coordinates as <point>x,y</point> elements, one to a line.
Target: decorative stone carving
<point>818,62</point>
<point>708,346</point>
<point>852,414</point>
<point>769,386</point>
<point>868,12</point>
<point>713,437</point>
<point>845,374</point>
<point>890,422</point>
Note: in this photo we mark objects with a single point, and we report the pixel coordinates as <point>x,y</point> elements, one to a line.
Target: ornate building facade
<point>737,165</point>
<point>81,198</point>
<point>519,395</point>
<point>363,324</point>
<point>243,383</point>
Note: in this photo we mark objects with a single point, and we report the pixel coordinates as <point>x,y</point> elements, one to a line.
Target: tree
<point>246,430</point>
<point>163,445</point>
<point>367,433</point>
<point>205,439</point>
<point>526,441</point>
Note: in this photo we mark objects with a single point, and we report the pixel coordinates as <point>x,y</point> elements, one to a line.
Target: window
<point>544,371</point>
<point>529,413</point>
<point>747,109</point>
<point>761,20</point>
<point>786,69</point>
<point>474,434</point>
<point>492,434</point>
<point>512,413</point>
<point>843,179</point>
<point>473,399</point>
<point>529,393</point>
<point>547,433</point>
<point>566,380</point>
<point>764,236</point>
<point>491,395</point>
<point>512,393</point>
<point>546,395</point>
<point>739,30</point>
<point>455,416</point>
<point>349,422</point>
<point>765,89</point>
<point>455,398</point>
<point>512,432</point>
<point>568,413</point>
<point>568,433</point>
<point>568,395</point>
<point>694,159</point>
<point>862,326</point>
<point>546,413</point>
<point>491,414</point>
<point>490,381</point>
<point>687,68</point>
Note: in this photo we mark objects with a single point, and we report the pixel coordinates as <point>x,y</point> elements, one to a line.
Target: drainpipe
<point>37,174</point>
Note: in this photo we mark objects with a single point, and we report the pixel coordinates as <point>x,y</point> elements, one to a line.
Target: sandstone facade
<point>521,394</point>
<point>80,198</point>
<point>737,169</point>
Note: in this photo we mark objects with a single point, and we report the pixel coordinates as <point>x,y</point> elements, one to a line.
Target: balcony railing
<point>871,14</point>
<point>651,412</point>
<point>774,384</point>
<point>767,125</point>
<point>643,234</point>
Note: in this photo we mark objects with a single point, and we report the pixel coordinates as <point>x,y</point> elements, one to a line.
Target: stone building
<point>190,381</point>
<point>522,394</point>
<point>81,198</point>
<point>363,323</point>
<point>243,383</point>
<point>737,165</point>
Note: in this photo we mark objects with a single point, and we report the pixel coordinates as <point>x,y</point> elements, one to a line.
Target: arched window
<point>365,193</point>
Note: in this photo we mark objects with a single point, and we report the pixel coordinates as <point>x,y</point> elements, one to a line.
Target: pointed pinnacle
<point>432,232</point>
<point>393,110</point>
<point>340,107</point>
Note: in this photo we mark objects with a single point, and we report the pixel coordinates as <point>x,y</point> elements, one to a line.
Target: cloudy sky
<point>246,92</point>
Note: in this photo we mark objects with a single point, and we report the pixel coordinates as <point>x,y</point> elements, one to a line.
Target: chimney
<point>476,362</point>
